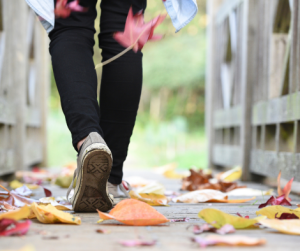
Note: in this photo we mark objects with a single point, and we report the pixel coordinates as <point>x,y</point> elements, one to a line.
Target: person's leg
<point>121,83</point>
<point>71,49</point>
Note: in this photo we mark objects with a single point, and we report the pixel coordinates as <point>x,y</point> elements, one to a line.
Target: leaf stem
<point>115,57</point>
<point>4,188</point>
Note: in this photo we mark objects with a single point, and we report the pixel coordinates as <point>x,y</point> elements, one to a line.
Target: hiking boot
<point>94,164</point>
<point>119,192</point>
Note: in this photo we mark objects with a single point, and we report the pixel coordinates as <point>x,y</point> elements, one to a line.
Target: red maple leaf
<point>63,9</point>
<point>280,200</point>
<point>137,32</point>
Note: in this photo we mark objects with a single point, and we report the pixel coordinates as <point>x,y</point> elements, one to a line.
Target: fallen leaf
<point>137,32</point>
<point>235,240</point>
<point>283,226</point>
<point>198,180</point>
<point>10,227</point>
<point>15,199</point>
<point>286,190</point>
<point>53,202</point>
<point>180,220</point>
<point>151,198</point>
<point>231,175</point>
<point>23,190</point>
<point>153,188</point>
<point>136,181</point>
<point>64,181</point>
<point>287,216</point>
<point>63,9</point>
<point>206,227</point>
<point>19,214</point>
<point>249,192</point>
<point>47,192</point>
<point>137,243</point>
<point>207,195</point>
<point>102,231</point>
<point>246,217</point>
<point>272,211</point>
<point>281,200</point>
<point>6,207</point>
<point>218,219</point>
<point>135,213</point>
<point>17,184</point>
<point>49,214</point>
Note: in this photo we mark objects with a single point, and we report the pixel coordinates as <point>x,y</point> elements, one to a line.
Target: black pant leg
<point>121,83</point>
<point>71,48</point>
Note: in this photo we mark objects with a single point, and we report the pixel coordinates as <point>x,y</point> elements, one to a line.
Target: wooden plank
<point>33,117</point>
<point>270,163</point>
<point>33,153</point>
<point>225,10</point>
<point>6,161</point>
<point>226,155</point>
<point>6,113</point>
<point>228,117</point>
<point>278,110</point>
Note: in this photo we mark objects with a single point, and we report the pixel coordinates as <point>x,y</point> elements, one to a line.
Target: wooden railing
<point>253,81</point>
<point>24,83</point>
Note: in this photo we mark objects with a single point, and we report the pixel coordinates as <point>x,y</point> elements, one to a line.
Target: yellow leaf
<point>16,184</point>
<point>154,187</point>
<point>231,175</point>
<point>64,181</point>
<point>271,211</point>
<point>19,214</point>
<point>49,214</point>
<point>284,226</point>
<point>218,219</point>
<point>150,198</point>
<point>169,171</point>
<point>53,202</point>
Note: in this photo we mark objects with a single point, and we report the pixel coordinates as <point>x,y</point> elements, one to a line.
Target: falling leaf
<point>53,202</point>
<point>137,243</point>
<point>153,188</point>
<point>281,200</point>
<point>206,227</point>
<point>286,190</point>
<point>151,199</point>
<point>10,227</point>
<point>19,214</point>
<point>272,211</point>
<point>249,192</point>
<point>49,214</point>
<point>63,9</point>
<point>137,32</point>
<point>235,240</point>
<point>102,231</point>
<point>207,195</point>
<point>284,226</point>
<point>135,213</point>
<point>218,219</point>
<point>231,175</point>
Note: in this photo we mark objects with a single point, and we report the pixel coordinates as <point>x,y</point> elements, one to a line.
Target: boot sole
<point>91,193</point>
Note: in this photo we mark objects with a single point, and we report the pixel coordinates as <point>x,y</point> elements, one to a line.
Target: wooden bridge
<point>252,89</point>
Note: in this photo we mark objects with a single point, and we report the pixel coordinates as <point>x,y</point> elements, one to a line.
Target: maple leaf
<point>137,32</point>
<point>286,216</point>
<point>64,9</point>
<point>280,200</point>
<point>287,188</point>
<point>11,227</point>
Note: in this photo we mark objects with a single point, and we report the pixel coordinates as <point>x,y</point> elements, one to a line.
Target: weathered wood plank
<point>225,155</point>
<point>228,117</point>
<point>225,10</point>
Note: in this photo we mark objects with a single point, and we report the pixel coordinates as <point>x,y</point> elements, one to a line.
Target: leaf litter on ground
<point>206,227</point>
<point>10,227</point>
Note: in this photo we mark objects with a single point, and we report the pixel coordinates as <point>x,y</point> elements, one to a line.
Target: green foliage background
<point>170,122</point>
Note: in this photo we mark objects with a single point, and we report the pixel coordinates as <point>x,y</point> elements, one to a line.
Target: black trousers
<point>71,49</point>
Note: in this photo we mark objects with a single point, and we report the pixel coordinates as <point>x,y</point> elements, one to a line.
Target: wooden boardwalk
<point>171,236</point>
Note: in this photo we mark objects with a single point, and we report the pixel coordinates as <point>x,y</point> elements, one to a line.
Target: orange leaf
<point>286,190</point>
<point>135,213</point>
